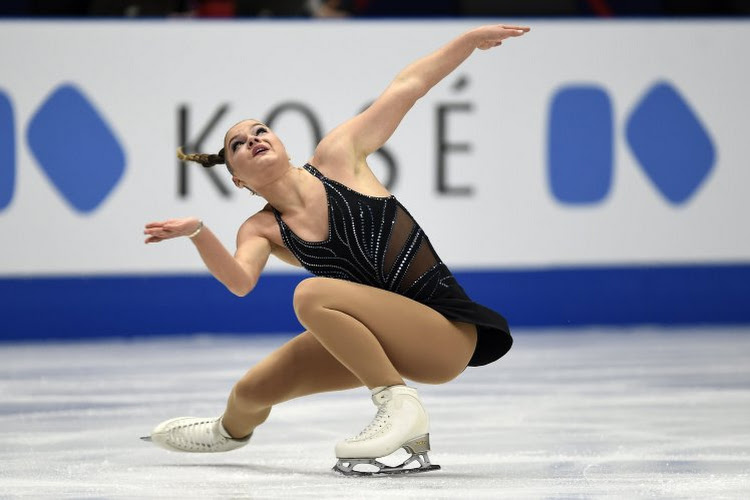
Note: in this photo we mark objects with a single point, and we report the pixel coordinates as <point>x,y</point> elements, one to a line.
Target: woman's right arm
<point>368,131</point>
<point>239,273</point>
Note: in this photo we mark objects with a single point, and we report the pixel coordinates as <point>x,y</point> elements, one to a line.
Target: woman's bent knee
<point>307,295</point>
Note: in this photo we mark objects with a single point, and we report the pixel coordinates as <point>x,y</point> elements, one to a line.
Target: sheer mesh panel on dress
<point>423,261</point>
<point>402,235</point>
<point>403,226</point>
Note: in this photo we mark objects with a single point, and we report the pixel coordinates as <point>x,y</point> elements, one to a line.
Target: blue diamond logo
<point>76,148</point>
<point>7,152</point>
<point>669,142</point>
<point>580,144</point>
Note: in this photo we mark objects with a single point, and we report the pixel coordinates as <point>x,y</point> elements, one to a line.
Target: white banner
<point>582,143</point>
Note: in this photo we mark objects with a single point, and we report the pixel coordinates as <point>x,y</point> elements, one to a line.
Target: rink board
<point>157,305</point>
<point>587,173</point>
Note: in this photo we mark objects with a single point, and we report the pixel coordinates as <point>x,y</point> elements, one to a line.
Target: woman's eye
<point>235,145</point>
<point>261,130</point>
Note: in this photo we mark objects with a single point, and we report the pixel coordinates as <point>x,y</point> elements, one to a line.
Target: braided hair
<point>207,160</point>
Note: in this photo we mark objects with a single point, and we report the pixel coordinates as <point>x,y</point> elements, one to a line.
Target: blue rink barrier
<point>114,306</point>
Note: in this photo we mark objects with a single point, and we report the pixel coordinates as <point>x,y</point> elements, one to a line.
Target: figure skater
<point>381,307</point>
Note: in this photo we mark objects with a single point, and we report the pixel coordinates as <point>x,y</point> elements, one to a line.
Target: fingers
<point>157,234</point>
<point>492,35</point>
<point>524,29</point>
<point>514,32</point>
<point>171,228</point>
<point>154,224</point>
<point>164,225</point>
<point>160,232</point>
<point>160,226</point>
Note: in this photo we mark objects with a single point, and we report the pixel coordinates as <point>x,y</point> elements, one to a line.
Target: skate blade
<point>394,471</point>
<point>385,471</point>
<point>346,466</point>
<point>146,438</point>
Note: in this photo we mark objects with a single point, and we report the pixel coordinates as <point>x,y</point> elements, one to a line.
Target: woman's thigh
<point>422,344</point>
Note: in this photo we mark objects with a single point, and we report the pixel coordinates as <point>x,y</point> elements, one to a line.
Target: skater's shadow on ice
<point>264,469</point>
<point>269,469</point>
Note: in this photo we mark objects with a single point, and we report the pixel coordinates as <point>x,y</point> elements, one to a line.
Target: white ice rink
<point>567,414</point>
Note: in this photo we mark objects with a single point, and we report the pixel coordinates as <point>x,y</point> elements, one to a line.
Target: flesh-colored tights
<point>356,336</point>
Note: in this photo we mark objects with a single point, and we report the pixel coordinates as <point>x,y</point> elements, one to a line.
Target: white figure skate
<point>401,422</point>
<point>196,435</point>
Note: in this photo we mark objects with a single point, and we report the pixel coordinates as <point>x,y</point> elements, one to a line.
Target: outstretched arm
<point>369,130</point>
<point>239,273</point>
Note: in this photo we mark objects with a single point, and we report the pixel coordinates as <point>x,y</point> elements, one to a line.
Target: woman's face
<point>254,154</point>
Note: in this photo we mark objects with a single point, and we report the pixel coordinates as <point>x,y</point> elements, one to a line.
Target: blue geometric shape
<point>580,145</point>
<point>76,148</point>
<point>7,152</point>
<point>669,142</point>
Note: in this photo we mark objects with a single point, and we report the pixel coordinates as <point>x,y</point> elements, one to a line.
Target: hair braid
<point>207,160</point>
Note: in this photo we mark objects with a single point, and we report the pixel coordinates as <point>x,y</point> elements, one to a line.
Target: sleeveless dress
<point>373,240</point>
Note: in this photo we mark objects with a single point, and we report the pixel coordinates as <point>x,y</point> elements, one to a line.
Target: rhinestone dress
<point>374,241</point>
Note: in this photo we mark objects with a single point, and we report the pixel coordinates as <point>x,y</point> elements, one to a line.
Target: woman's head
<point>253,154</point>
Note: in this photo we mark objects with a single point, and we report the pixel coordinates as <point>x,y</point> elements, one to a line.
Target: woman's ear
<point>237,182</point>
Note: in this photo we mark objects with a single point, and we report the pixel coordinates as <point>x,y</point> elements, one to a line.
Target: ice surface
<point>567,414</point>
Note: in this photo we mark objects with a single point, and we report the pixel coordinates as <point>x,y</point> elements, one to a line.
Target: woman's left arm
<point>369,130</point>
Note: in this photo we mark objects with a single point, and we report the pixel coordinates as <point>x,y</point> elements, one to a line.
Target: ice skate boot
<point>401,422</point>
<point>196,435</point>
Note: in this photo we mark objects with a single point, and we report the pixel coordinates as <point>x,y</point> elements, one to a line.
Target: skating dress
<point>373,240</point>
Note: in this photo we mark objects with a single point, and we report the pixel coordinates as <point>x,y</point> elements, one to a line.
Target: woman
<point>382,306</point>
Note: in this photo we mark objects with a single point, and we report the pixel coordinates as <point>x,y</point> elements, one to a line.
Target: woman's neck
<point>287,192</point>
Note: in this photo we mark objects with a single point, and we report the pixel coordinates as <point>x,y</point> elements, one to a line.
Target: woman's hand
<point>172,228</point>
<point>486,37</point>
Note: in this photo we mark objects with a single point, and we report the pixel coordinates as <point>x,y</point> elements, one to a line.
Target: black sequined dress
<point>375,241</point>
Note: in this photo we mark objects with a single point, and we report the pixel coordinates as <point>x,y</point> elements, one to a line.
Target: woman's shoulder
<point>261,223</point>
<point>347,169</point>
<point>332,158</point>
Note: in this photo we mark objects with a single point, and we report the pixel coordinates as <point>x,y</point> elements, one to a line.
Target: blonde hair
<point>207,160</point>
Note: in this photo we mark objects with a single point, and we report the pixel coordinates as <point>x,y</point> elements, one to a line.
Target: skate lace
<point>381,417</point>
<point>200,435</point>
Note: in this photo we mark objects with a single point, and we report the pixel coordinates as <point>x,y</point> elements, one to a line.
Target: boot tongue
<point>380,395</point>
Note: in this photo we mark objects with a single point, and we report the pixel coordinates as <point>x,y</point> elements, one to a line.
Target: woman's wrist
<point>471,38</point>
<point>197,230</point>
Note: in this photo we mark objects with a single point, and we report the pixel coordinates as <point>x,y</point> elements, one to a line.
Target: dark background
<point>372,8</point>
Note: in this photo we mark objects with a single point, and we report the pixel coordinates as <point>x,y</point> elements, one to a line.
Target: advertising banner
<point>580,146</point>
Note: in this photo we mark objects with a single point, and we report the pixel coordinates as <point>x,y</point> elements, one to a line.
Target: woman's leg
<point>357,335</point>
<point>380,336</point>
<point>298,368</point>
